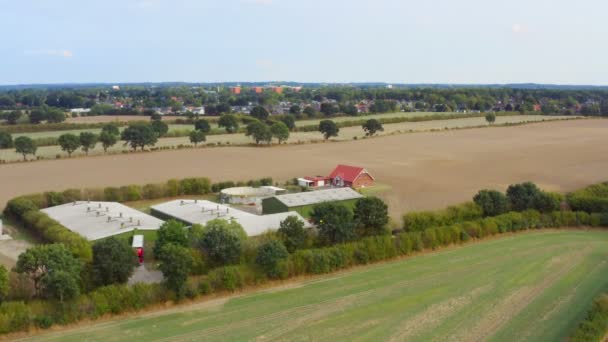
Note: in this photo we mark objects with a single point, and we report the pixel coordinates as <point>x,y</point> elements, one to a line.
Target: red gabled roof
<point>347,173</point>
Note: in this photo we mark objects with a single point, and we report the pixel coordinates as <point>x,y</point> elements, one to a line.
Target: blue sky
<point>407,41</point>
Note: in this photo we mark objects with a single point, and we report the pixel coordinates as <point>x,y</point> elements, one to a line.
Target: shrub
<point>14,316</point>
<point>492,202</point>
<point>594,327</point>
<point>270,258</point>
<point>226,278</point>
<point>418,221</point>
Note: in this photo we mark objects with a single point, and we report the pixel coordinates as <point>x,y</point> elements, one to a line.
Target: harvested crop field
<point>117,118</point>
<point>424,170</point>
<point>532,286</point>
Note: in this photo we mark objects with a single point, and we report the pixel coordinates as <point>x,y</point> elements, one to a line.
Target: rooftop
<point>202,211</point>
<point>319,196</point>
<point>97,220</point>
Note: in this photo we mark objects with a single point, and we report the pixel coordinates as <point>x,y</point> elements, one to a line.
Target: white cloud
<point>50,52</point>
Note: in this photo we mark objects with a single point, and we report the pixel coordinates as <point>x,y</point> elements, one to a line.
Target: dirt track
<point>425,170</point>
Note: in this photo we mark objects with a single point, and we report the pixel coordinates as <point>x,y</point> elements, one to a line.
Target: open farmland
<point>347,133</point>
<point>117,118</point>
<point>532,286</point>
<point>424,170</point>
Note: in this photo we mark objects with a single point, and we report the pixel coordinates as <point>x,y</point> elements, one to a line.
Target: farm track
<point>482,291</point>
<point>423,170</point>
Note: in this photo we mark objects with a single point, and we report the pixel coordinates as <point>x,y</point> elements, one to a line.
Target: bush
<point>270,258</point>
<point>17,207</point>
<point>14,316</point>
<point>418,221</point>
<point>492,202</point>
<point>594,327</point>
<point>226,278</point>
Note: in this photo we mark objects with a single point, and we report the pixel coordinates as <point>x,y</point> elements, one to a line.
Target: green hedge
<point>595,325</point>
<point>27,213</point>
<point>418,221</point>
<point>591,199</point>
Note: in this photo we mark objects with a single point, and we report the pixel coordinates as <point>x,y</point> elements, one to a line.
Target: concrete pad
<point>98,220</point>
<point>202,211</point>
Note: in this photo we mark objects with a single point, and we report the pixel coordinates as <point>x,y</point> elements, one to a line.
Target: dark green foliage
<point>259,131</point>
<point>24,146</point>
<point>69,142</point>
<point>293,234</point>
<point>328,128</point>
<point>371,216</point>
<point>171,232</point>
<point>492,202</point>
<point>175,263</point>
<point>372,126</point>
<point>271,257</point>
<point>229,122</point>
<point>490,118</point>
<point>4,286</point>
<point>591,199</point>
<point>221,242</point>
<point>329,109</point>
<point>159,127</point>
<point>113,261</point>
<point>88,141</point>
<point>334,222</point>
<point>110,128</point>
<point>595,325</point>
<point>528,196</point>
<point>202,125</point>
<point>197,137</point>
<point>289,121</point>
<point>280,131</point>
<point>259,113</point>
<point>139,135</point>
<point>107,140</point>
<point>40,262</point>
<point>6,140</point>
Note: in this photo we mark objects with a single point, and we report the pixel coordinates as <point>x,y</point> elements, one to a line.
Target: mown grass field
<point>532,286</point>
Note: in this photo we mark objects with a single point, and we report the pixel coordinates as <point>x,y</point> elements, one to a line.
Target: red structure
<point>235,90</point>
<point>258,90</point>
<point>351,176</point>
<point>140,255</point>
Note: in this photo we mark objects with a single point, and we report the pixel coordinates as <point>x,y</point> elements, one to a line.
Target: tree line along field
<point>533,286</point>
<point>346,133</point>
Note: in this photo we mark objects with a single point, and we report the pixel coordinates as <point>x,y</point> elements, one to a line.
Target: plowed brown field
<point>424,170</point>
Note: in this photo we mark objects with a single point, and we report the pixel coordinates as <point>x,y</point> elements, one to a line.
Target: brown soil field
<point>424,170</point>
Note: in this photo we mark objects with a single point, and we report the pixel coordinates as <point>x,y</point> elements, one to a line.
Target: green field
<point>532,286</point>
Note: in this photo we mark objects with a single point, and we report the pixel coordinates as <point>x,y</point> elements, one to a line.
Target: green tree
<point>271,257</point>
<point>524,196</point>
<point>289,120</point>
<point>292,232</point>
<point>295,110</point>
<point>175,263</point>
<point>107,140</point>
<point>349,109</point>
<point>490,117</point>
<point>139,135</point>
<point>88,140</point>
<point>197,137</point>
<point>159,127</point>
<point>13,117</point>
<point>4,284</point>
<point>492,202</point>
<point>39,261</point>
<point>202,125</point>
<point>328,128</point>
<point>37,116</point>
<point>61,285</point>
<point>334,222</point>
<point>371,214</point>
<point>55,115</point>
<point>329,109</point>
<point>372,126</point>
<point>6,140</point>
<point>111,128</point>
<point>25,145</point>
<point>113,261</point>
<point>259,131</point>
<point>69,143</point>
<point>259,113</point>
<point>309,111</point>
<point>280,131</point>
<point>170,232</point>
<point>229,122</point>
<point>221,242</point>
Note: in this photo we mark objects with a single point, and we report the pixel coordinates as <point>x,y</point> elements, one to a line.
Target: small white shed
<point>138,241</point>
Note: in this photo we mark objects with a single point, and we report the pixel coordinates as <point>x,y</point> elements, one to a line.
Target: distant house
<point>351,176</point>
<point>314,182</point>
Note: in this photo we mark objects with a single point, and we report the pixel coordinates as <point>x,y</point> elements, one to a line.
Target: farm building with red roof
<point>351,176</point>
